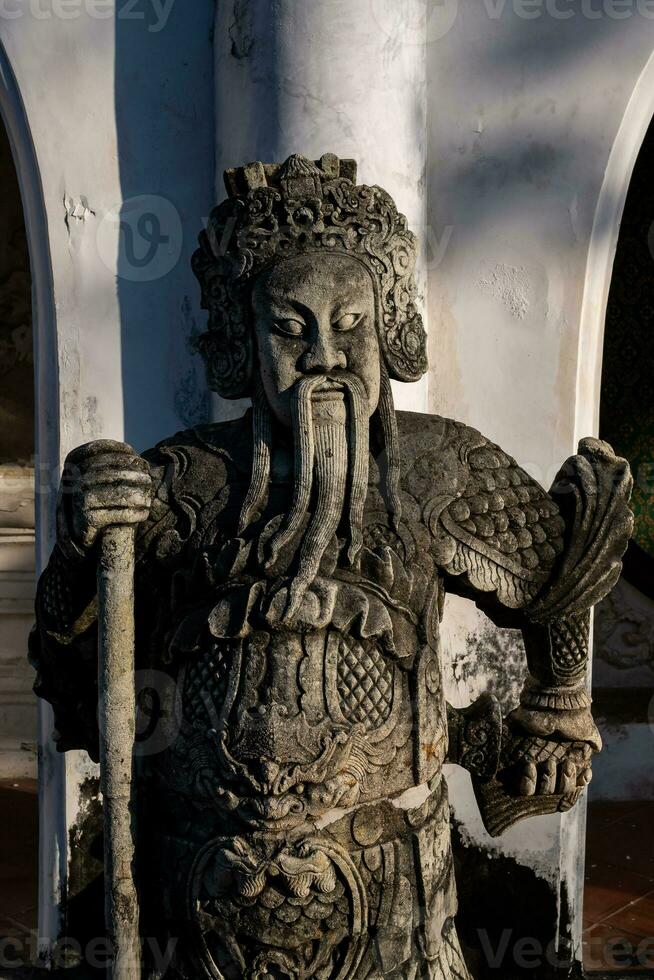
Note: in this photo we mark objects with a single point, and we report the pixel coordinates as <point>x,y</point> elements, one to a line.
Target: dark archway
<point>18,710</point>
<point>619,903</point>
<point>16,342</point>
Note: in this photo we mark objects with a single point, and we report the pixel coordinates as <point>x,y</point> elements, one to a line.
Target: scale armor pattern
<point>503,507</point>
<point>569,638</point>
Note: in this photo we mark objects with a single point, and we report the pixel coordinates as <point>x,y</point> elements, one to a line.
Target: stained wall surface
<point>529,158</point>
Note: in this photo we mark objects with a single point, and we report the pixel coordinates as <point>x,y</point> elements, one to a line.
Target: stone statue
<point>291,568</point>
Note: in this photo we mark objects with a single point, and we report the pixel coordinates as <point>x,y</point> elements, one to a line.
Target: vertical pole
<point>117,709</point>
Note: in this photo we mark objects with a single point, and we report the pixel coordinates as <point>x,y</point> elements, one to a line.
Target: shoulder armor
<point>491,522</point>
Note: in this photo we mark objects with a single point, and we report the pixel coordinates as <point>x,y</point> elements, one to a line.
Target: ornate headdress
<point>279,210</point>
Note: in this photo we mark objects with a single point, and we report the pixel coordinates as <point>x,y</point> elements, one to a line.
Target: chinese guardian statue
<point>290,578</point>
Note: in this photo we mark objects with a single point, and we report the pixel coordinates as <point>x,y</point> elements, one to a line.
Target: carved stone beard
<point>331,449</point>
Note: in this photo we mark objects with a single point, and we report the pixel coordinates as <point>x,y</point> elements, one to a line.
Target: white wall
<point>523,116</point>
<point>536,114</point>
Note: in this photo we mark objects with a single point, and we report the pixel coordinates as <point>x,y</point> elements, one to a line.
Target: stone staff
<point>117,712</point>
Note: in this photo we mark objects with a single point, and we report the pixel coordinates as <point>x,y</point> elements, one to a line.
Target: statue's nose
<point>324,355</point>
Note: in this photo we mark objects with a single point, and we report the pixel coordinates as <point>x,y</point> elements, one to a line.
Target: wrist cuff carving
<point>534,695</point>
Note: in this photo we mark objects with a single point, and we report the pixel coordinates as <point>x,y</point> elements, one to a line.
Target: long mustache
<point>390,464</point>
<point>255,499</point>
<point>332,456</point>
<point>359,449</point>
<point>330,478</point>
<point>303,439</point>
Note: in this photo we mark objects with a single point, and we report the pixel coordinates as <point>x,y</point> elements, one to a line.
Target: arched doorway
<point>18,710</point>
<point>619,900</point>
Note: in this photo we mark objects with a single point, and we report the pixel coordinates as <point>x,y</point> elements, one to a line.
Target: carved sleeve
<point>188,477</point>
<point>497,533</point>
<point>62,649</point>
<point>63,643</point>
<point>539,561</point>
<point>592,492</point>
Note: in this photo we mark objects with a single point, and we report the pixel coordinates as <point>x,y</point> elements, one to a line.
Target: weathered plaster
<point>510,285</point>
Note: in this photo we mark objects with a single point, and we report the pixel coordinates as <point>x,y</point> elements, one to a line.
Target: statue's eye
<point>292,328</point>
<point>347,321</point>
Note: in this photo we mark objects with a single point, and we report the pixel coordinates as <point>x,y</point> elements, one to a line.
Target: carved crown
<point>275,211</point>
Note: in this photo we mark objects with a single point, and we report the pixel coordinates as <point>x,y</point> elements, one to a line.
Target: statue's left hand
<point>544,765</point>
<point>537,776</point>
<point>555,769</point>
<point>550,752</point>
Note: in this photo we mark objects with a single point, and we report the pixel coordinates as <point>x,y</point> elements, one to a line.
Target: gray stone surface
<point>290,576</point>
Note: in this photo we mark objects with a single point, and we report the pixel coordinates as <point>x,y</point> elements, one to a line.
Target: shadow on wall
<point>534,149</point>
<point>165,138</point>
<point>165,132</point>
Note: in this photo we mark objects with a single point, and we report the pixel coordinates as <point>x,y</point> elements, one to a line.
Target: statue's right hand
<point>105,483</point>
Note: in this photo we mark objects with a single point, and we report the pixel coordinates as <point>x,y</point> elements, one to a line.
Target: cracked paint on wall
<point>240,30</point>
<point>76,209</point>
<point>510,285</point>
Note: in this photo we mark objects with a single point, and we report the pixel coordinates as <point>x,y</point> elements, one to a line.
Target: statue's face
<point>315,314</point>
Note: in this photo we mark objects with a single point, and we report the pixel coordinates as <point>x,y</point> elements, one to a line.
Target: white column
<point>328,76</point>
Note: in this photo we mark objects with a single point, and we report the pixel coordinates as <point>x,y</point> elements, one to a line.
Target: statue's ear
<point>402,336</point>
<point>404,346</point>
<point>227,352</point>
